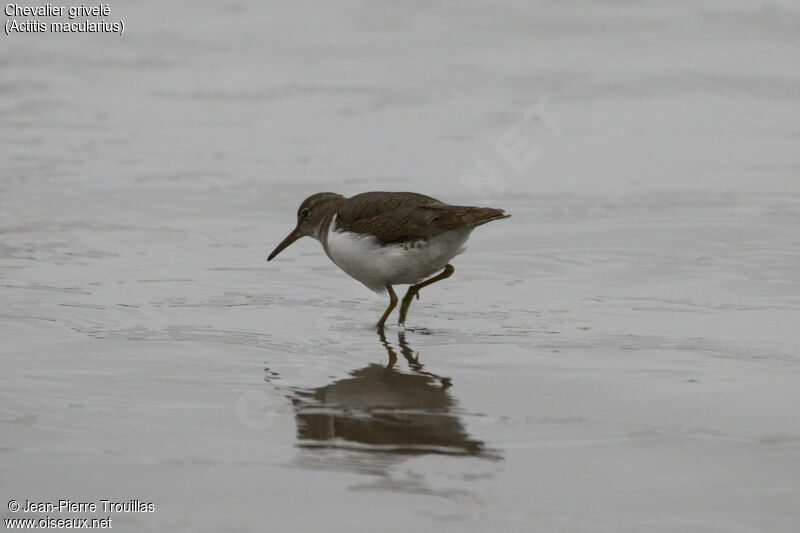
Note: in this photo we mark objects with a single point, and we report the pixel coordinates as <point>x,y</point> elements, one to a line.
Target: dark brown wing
<point>400,216</point>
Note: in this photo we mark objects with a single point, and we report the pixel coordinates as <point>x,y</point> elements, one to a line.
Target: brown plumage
<point>405,216</point>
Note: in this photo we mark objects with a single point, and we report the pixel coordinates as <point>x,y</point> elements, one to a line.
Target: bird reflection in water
<point>380,415</point>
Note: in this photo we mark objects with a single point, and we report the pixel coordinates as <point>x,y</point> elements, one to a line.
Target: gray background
<point>625,347</point>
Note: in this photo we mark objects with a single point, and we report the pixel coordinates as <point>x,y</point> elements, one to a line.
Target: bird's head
<point>312,215</point>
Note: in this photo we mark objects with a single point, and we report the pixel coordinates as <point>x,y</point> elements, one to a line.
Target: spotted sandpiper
<point>389,238</point>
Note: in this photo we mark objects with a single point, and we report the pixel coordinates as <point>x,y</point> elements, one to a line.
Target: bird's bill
<point>293,236</point>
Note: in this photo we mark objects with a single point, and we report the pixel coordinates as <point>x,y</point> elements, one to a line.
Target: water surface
<point>620,355</point>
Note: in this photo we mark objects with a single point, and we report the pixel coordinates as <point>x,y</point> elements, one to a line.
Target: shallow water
<point>620,355</point>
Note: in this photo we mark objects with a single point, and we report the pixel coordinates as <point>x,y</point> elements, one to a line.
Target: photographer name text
<point>70,506</point>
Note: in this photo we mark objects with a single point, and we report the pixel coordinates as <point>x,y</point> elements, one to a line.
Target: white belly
<point>363,257</point>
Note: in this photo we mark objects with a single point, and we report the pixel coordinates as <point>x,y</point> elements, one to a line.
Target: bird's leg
<point>414,290</point>
<point>392,305</point>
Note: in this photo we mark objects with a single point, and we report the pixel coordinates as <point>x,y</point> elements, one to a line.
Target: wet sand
<point>620,355</point>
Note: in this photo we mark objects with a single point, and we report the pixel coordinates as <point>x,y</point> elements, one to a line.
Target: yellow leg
<point>414,290</point>
<point>392,305</point>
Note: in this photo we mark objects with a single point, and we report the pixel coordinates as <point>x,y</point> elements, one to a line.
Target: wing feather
<point>393,217</point>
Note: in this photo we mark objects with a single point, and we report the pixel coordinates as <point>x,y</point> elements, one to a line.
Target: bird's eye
<point>305,212</point>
